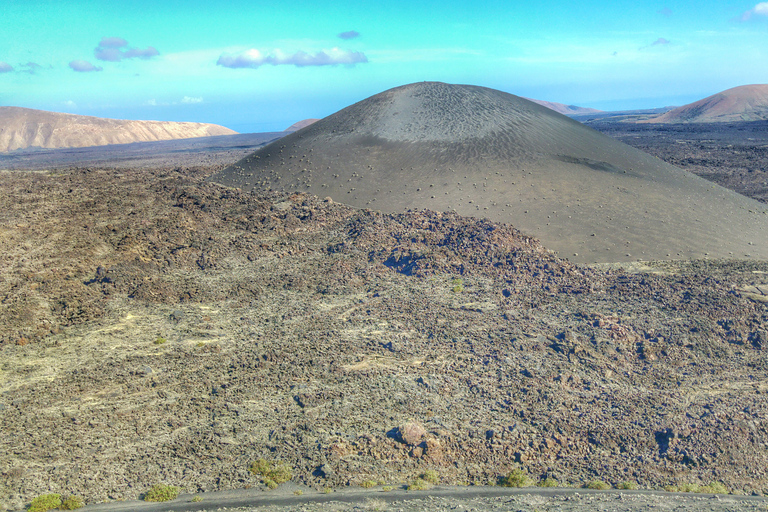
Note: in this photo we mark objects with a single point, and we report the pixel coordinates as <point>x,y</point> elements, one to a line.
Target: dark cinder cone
<point>486,153</point>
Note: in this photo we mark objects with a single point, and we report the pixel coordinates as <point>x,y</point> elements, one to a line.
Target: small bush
<point>72,503</point>
<point>627,486</point>
<point>272,473</point>
<point>45,502</point>
<point>715,488</point>
<point>419,485</point>
<point>327,490</point>
<point>162,492</point>
<point>298,492</point>
<point>387,488</point>
<point>197,499</point>
<point>159,340</point>
<point>689,488</point>
<point>431,476</point>
<point>517,478</point>
<point>549,482</point>
<point>598,485</point>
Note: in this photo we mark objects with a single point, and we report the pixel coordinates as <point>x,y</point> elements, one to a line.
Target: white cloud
<point>114,49</point>
<point>190,100</point>
<point>83,66</point>
<point>760,9</point>
<point>349,34</point>
<point>254,58</point>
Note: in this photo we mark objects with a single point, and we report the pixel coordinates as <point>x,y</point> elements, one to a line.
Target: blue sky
<point>260,66</point>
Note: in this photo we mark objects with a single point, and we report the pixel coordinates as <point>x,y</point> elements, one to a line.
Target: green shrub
<point>159,340</point>
<point>45,502</point>
<point>517,478</point>
<point>627,486</point>
<point>162,492</point>
<point>549,482</point>
<point>368,484</point>
<point>387,488</point>
<point>197,499</point>
<point>598,485</point>
<point>419,485</point>
<point>715,488</point>
<point>72,503</point>
<point>272,473</point>
<point>430,476</point>
<point>689,488</point>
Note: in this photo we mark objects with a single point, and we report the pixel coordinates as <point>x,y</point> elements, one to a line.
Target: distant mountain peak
<point>22,128</point>
<point>743,103</point>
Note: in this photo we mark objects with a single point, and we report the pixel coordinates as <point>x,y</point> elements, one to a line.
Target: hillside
<point>744,103</point>
<point>23,128</point>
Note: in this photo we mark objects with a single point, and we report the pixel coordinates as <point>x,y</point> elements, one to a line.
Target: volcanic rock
<point>485,153</point>
<point>744,103</point>
<point>23,127</point>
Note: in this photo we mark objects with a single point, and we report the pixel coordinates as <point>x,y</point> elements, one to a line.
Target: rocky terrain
<point>160,328</point>
<point>22,128</point>
<point>733,155</point>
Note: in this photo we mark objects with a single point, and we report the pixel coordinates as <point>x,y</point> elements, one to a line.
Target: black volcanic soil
<point>159,328</point>
<point>481,152</point>
<point>733,155</point>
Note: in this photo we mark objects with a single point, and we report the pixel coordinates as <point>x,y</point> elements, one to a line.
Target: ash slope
<point>485,153</point>
<point>23,127</point>
<point>744,103</point>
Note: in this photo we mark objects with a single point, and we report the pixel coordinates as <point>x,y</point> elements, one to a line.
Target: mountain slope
<point>485,153</point>
<point>22,128</point>
<point>744,103</point>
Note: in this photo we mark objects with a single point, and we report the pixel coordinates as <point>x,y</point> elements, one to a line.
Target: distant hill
<point>744,103</point>
<point>299,125</point>
<point>565,109</point>
<point>23,128</point>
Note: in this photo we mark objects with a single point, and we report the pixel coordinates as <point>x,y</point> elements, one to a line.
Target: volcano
<point>744,103</point>
<point>485,153</point>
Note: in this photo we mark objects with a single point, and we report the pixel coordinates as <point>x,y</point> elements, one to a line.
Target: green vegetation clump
<point>419,485</point>
<point>368,484</point>
<point>72,503</point>
<point>627,486</point>
<point>458,285</point>
<point>45,502</point>
<point>517,478</point>
<point>713,488</point>
<point>430,476</point>
<point>387,488</point>
<point>271,473</point>
<point>162,492</point>
<point>197,499</point>
<point>549,482</point>
<point>159,340</point>
<point>598,485</point>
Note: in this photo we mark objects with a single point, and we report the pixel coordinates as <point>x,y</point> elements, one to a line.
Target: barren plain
<point>158,328</point>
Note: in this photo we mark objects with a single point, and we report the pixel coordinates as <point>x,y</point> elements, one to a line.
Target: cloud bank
<point>660,41</point>
<point>350,34</point>
<point>760,9</point>
<point>83,66</point>
<point>254,58</point>
<point>115,49</point>
<point>5,67</point>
